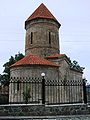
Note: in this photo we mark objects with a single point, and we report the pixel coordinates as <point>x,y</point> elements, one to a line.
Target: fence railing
<point>4,94</point>
<point>42,91</point>
<point>88,93</point>
<point>38,90</point>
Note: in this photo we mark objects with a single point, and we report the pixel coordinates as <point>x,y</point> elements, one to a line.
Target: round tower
<point>42,33</point>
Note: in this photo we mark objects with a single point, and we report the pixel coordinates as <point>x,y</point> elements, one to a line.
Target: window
<point>50,38</point>
<point>31,37</point>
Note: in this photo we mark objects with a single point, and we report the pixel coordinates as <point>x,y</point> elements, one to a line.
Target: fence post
<point>84,91</point>
<point>43,88</point>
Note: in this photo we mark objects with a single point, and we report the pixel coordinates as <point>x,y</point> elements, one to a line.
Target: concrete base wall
<point>41,110</point>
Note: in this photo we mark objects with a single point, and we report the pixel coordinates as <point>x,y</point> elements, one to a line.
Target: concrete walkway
<point>72,117</point>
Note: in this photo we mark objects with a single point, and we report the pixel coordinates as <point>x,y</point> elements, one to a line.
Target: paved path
<point>76,117</point>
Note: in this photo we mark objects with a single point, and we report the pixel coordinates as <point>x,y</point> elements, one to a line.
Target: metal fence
<point>4,94</point>
<point>88,93</point>
<point>41,91</point>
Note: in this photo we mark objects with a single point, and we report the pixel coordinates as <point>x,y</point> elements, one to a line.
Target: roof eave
<point>28,21</point>
<point>25,65</point>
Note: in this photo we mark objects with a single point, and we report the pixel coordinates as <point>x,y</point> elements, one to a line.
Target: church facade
<point>42,52</point>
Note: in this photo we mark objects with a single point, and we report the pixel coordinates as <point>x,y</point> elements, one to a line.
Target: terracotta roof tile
<point>41,12</point>
<point>34,60</point>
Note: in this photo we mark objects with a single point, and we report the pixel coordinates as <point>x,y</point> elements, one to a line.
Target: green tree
<point>6,76</point>
<point>18,57</point>
<point>76,66</point>
<point>7,66</point>
<point>26,94</point>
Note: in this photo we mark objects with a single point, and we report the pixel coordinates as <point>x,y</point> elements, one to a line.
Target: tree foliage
<point>12,60</point>
<point>26,94</point>
<point>74,65</point>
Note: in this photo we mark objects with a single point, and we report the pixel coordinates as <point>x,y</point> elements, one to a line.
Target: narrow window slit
<point>31,37</point>
<point>50,38</point>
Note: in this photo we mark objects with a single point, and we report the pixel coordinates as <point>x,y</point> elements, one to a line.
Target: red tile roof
<point>56,56</point>
<point>34,60</point>
<point>41,12</point>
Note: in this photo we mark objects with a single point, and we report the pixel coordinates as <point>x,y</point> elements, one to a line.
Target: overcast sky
<point>74,16</point>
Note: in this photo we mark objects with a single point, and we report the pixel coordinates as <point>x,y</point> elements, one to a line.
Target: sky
<point>74,33</point>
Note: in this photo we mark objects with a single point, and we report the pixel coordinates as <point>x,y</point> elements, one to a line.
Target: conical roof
<point>42,12</point>
<point>34,60</point>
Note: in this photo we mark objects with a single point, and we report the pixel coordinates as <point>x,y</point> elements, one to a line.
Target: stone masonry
<point>41,29</point>
<point>71,112</point>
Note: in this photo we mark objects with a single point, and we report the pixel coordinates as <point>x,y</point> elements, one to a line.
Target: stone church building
<point>42,51</point>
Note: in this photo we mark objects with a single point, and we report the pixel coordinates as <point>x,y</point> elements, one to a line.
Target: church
<point>42,51</point>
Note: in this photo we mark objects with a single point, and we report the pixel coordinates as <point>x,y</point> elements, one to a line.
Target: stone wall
<point>67,112</point>
<point>51,73</point>
<point>41,45</point>
<point>65,71</point>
